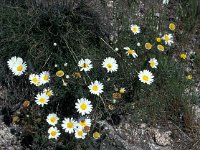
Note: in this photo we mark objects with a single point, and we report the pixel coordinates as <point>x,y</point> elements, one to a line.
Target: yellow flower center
<point>160,47</point>
<point>70,125</point>
<point>96,135</point>
<point>85,65</point>
<point>145,78</point>
<point>53,133</point>
<point>46,78</point>
<point>148,46</point>
<point>109,66</point>
<point>80,133</point>
<point>95,88</point>
<point>130,51</point>
<point>152,64</point>
<point>19,68</point>
<point>34,79</point>
<point>82,123</point>
<point>172,26</point>
<point>42,100</point>
<point>158,40</point>
<point>166,38</point>
<point>48,93</point>
<point>134,29</point>
<point>83,106</point>
<point>60,73</point>
<point>53,119</point>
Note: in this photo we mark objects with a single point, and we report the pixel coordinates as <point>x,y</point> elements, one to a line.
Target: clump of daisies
<point>40,79</point>
<point>17,65</point>
<point>80,127</point>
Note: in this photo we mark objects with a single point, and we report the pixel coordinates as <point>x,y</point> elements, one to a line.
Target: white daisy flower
<point>42,99</point>
<point>84,122</point>
<point>110,64</point>
<point>168,39</point>
<point>44,77</point>
<point>52,119</point>
<point>83,106</point>
<point>53,133</point>
<point>35,79</point>
<point>96,87</point>
<point>165,1</point>
<point>135,29</point>
<point>79,134</point>
<point>130,52</point>
<point>153,63</point>
<point>146,76</point>
<point>17,66</point>
<point>69,125</point>
<point>11,62</point>
<point>48,92</point>
<point>85,65</point>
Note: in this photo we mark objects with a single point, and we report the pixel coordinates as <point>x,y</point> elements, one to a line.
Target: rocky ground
<point>8,139</point>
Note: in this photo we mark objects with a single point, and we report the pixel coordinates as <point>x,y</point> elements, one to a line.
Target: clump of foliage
<point>45,38</point>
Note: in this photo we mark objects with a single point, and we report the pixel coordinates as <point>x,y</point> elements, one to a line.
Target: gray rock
<point>8,141</point>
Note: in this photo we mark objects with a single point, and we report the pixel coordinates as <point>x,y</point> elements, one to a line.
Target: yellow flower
<point>60,73</point>
<point>160,47</point>
<point>189,77</point>
<point>148,46</point>
<point>96,135</point>
<point>122,90</point>
<point>117,95</point>
<point>76,75</point>
<point>158,40</point>
<point>183,56</point>
<point>172,26</point>
<point>26,104</point>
